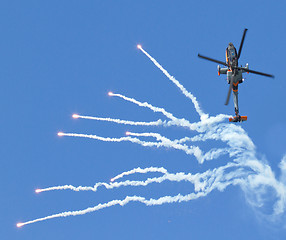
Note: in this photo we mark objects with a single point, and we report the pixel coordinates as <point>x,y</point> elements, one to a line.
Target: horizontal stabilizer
<point>238,119</point>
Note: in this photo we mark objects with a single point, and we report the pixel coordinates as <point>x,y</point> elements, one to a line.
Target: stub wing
<point>238,119</point>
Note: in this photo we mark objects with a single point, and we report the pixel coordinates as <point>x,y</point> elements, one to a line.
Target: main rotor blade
<point>213,60</point>
<point>256,72</point>
<point>229,91</point>
<point>241,43</point>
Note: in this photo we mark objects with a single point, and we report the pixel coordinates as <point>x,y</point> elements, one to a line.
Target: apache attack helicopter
<point>234,74</point>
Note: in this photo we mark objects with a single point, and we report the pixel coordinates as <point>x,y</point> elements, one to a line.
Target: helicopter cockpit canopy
<point>231,54</point>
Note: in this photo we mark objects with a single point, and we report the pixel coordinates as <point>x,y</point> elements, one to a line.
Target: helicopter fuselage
<point>233,75</point>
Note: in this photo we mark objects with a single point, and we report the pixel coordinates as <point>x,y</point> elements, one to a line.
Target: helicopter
<point>234,74</point>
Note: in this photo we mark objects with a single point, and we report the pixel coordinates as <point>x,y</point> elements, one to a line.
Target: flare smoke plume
<point>243,169</point>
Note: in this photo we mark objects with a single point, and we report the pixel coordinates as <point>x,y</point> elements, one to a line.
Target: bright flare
<point>139,46</point>
<point>19,225</point>
<point>75,116</point>
<point>60,134</point>
<point>38,190</point>
<point>127,133</point>
<point>110,93</point>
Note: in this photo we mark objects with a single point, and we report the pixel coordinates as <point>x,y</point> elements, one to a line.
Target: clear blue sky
<point>62,57</point>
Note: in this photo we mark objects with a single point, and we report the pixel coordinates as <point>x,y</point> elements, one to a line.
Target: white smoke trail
<point>200,126</point>
<point>257,177</point>
<point>113,184</point>
<point>243,149</point>
<point>216,183</point>
<point>139,170</point>
<point>190,150</point>
<point>150,202</point>
<point>282,166</point>
<point>206,182</point>
<point>158,136</point>
<point>170,177</point>
<point>164,142</point>
<point>253,176</point>
<point>145,104</point>
<point>176,144</point>
<point>178,84</point>
<point>108,139</point>
<point>120,121</point>
<point>200,180</point>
